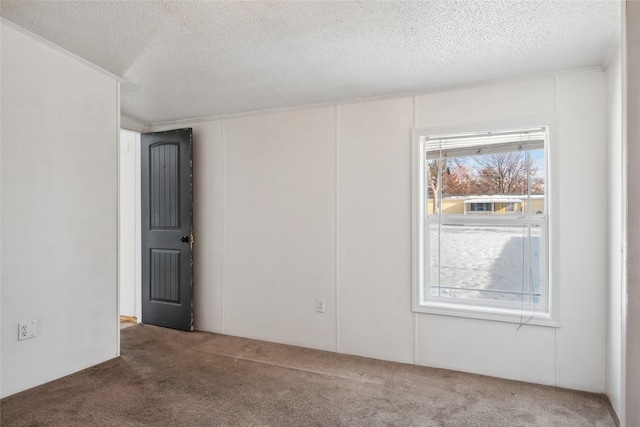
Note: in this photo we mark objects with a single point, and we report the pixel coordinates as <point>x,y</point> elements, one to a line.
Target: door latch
<point>188,239</point>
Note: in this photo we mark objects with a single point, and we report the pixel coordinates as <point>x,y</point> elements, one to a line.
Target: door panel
<point>166,175</point>
<point>164,167</point>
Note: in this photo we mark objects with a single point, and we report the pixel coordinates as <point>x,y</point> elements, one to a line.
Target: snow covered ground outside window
<point>487,263</point>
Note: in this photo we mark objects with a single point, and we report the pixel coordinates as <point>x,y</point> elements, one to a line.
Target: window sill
<point>487,313</point>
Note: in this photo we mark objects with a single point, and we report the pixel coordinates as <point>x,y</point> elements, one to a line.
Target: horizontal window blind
<point>484,143</point>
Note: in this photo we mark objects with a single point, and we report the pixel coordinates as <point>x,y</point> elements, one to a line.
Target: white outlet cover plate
<point>28,329</point>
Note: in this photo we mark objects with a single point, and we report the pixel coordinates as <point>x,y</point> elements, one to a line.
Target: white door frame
<point>129,272</point>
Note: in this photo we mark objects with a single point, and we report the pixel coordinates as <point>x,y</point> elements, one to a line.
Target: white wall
<point>58,216</point>
<point>280,227</point>
<point>582,243</point>
<point>615,231</point>
<point>296,205</point>
<point>374,234</point>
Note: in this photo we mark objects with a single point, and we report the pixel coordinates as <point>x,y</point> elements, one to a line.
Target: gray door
<point>167,233</point>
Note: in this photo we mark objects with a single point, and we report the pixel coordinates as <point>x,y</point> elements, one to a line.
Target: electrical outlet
<point>28,329</point>
<point>320,305</point>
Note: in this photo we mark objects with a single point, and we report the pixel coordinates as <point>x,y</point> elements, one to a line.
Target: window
<point>480,207</point>
<point>481,243</point>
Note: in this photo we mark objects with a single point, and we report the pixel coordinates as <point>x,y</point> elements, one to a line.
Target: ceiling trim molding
<point>135,119</point>
<point>442,89</point>
<point>57,48</point>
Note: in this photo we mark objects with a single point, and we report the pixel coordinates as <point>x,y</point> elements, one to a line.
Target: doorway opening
<point>155,240</point>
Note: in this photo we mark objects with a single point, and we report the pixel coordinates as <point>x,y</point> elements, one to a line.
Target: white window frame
<point>468,308</point>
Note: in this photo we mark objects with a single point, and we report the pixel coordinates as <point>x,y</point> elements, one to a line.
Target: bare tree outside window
<point>507,173</point>
<point>434,178</point>
<point>487,174</point>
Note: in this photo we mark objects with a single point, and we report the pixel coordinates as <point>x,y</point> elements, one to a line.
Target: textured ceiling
<point>196,59</point>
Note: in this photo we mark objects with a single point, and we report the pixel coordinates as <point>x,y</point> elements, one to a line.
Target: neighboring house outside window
<point>481,224</point>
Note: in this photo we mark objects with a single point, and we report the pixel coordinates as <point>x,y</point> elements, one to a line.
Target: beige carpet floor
<point>171,378</point>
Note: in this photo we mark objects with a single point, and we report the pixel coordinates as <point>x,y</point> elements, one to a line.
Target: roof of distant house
<point>493,199</point>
